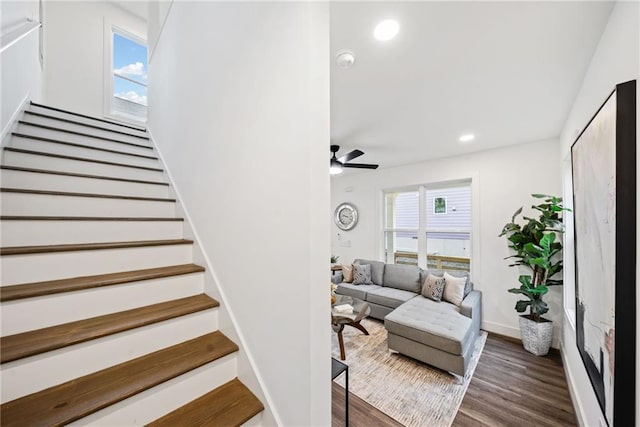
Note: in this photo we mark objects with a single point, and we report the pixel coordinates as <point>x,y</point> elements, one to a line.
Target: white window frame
<point>109,30</point>
<point>423,228</point>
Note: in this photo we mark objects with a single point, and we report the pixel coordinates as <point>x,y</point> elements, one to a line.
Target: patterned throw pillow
<point>362,274</point>
<point>433,287</point>
<point>347,273</point>
<point>454,289</point>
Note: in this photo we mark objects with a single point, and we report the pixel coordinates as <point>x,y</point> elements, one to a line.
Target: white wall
<point>240,113</point>
<point>21,72</point>
<point>616,60</point>
<point>502,181</point>
<point>74,51</point>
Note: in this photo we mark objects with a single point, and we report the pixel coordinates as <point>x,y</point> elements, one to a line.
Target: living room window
<point>429,226</point>
<point>402,219</point>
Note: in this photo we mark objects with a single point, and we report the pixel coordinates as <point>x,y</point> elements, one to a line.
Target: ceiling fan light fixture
<point>335,167</point>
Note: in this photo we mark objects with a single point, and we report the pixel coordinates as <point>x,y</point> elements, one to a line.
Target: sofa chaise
<point>440,334</point>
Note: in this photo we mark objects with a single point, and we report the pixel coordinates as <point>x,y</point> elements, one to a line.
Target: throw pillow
<point>347,273</point>
<point>362,274</point>
<point>433,287</point>
<point>454,289</point>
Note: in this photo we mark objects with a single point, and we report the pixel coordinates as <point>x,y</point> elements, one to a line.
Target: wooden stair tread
<point>87,117</point>
<point>75,122</point>
<point>38,341</point>
<point>36,289</point>
<point>80,175</point>
<point>229,405</point>
<point>81,159</point>
<point>85,218</point>
<point>83,134</point>
<point>80,397</point>
<point>95,195</point>
<point>23,250</point>
<point>75,144</point>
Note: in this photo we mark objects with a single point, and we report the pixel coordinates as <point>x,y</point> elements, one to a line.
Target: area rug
<point>409,391</point>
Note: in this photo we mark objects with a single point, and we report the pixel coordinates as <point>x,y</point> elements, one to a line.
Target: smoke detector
<point>345,59</point>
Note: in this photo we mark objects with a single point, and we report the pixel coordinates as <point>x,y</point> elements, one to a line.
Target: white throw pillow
<point>454,289</point>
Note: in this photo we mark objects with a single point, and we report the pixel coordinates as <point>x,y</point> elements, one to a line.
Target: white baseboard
<point>512,332</point>
<point>12,121</point>
<point>577,405</point>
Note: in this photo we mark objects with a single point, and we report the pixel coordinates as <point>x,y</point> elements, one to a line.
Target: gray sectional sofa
<point>437,333</point>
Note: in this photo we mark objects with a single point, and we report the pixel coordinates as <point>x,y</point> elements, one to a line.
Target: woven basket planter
<point>536,336</point>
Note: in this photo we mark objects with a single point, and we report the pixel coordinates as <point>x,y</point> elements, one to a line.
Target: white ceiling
<point>506,71</point>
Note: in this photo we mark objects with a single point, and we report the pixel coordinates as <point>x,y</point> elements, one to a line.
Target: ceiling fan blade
<point>359,166</point>
<point>350,156</point>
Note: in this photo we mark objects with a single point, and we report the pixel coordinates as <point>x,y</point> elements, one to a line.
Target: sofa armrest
<point>471,307</point>
<point>336,277</point>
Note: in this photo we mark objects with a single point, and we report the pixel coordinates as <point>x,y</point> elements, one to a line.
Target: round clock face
<point>346,216</point>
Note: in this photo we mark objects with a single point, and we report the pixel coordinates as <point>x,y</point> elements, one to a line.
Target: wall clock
<point>346,216</point>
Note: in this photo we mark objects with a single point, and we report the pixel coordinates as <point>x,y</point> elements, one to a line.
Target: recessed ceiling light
<point>386,30</point>
<point>467,137</point>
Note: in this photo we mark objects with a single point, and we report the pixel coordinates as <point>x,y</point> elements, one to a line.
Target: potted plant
<point>334,259</point>
<point>538,249</point>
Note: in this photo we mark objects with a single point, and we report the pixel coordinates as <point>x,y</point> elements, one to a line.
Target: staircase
<point>104,319</point>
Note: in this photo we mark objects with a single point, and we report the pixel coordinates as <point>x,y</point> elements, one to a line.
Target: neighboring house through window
<point>429,226</point>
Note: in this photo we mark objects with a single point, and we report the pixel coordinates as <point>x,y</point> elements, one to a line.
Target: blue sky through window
<point>130,61</point>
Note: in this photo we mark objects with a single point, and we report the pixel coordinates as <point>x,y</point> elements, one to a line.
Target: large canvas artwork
<point>604,198</point>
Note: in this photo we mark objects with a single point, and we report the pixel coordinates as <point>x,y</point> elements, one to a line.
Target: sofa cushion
<point>356,291</point>
<point>377,269</point>
<point>389,297</point>
<point>455,273</point>
<point>454,288</point>
<point>406,277</point>
<point>347,273</point>
<point>433,287</point>
<point>436,324</point>
<point>362,274</point>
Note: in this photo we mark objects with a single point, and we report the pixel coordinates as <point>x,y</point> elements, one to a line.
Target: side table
<point>338,368</point>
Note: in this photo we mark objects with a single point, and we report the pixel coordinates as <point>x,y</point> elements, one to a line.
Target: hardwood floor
<point>510,387</point>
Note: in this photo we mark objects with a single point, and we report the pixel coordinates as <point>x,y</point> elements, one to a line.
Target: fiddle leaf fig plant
<point>536,249</point>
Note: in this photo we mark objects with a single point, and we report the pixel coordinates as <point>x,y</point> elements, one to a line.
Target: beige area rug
<point>411,392</point>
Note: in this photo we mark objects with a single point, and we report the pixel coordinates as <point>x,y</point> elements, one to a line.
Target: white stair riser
<point>80,119</point>
<point>93,142</point>
<point>18,316</point>
<point>86,129</point>
<point>50,205</point>
<point>52,182</point>
<point>255,421</point>
<point>29,268</point>
<point>85,153</point>
<point>39,372</point>
<point>147,406</point>
<point>41,232</point>
<point>77,166</point>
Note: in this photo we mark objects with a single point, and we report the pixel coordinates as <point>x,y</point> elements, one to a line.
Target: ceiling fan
<point>337,164</point>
